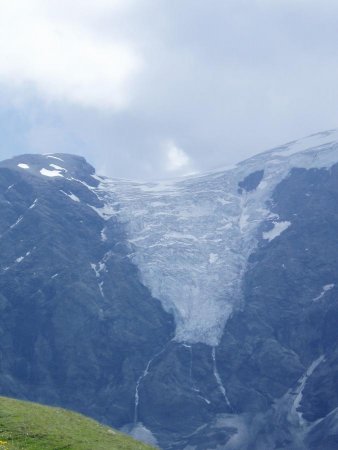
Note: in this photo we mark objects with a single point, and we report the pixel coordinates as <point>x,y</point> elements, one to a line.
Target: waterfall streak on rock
<point>301,386</point>
<point>218,378</point>
<point>139,381</point>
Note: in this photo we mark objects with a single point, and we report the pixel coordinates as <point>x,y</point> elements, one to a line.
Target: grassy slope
<point>25,425</point>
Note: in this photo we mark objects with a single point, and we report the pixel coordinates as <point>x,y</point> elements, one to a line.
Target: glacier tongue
<point>191,238</point>
<point>190,241</point>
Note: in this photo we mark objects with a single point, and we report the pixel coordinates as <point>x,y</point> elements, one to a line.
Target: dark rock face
<point>267,347</point>
<point>252,181</point>
<point>63,341</point>
<point>79,329</point>
<point>286,323</point>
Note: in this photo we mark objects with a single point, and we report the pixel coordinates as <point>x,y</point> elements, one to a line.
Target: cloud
<point>176,158</point>
<point>113,79</point>
<point>63,58</point>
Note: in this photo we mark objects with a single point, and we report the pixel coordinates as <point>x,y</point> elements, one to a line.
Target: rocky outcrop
<point>77,326</point>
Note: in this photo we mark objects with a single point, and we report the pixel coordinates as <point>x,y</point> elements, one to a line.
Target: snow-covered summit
<point>51,166</point>
<point>191,238</point>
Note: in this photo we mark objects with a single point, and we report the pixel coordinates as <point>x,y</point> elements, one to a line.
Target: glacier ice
<point>191,237</point>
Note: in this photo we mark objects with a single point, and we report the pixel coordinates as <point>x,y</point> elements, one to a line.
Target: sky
<point>150,89</point>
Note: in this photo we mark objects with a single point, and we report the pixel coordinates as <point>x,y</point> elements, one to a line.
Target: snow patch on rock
<point>56,167</point>
<point>298,392</point>
<point>16,223</point>
<point>23,166</point>
<point>71,196</point>
<point>277,230</point>
<point>325,289</point>
<point>50,173</point>
<point>33,205</point>
<point>53,157</point>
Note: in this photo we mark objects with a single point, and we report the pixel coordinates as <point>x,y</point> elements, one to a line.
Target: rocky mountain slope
<point>198,313</point>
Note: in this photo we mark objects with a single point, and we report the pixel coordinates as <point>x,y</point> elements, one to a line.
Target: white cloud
<point>223,83</point>
<point>61,56</point>
<point>176,158</point>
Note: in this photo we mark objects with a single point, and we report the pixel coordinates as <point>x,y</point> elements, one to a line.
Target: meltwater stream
<point>218,379</point>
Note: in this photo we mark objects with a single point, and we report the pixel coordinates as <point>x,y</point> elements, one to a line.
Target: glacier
<point>191,237</point>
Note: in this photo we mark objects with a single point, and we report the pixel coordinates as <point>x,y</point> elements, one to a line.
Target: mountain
<point>26,425</point>
<point>197,313</point>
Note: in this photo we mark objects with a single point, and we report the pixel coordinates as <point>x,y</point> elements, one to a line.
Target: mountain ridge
<point>197,314</point>
<point>318,139</point>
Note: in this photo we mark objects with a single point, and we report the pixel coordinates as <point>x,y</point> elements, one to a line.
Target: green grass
<point>26,425</point>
